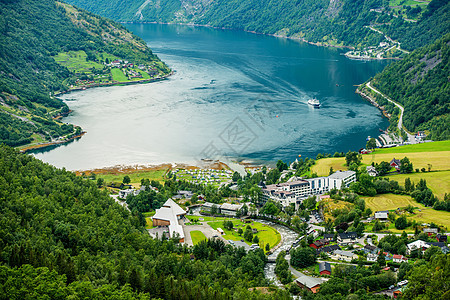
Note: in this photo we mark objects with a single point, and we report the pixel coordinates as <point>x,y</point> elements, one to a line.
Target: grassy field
<point>266,234</point>
<point>411,3</point>
<point>136,176</point>
<point>390,202</point>
<point>197,236</point>
<point>424,147</point>
<point>76,61</point>
<point>436,154</point>
<point>148,219</point>
<point>438,182</point>
<point>118,75</point>
<point>422,215</point>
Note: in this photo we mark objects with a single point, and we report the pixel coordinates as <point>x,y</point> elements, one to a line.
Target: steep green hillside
<point>421,84</point>
<point>333,22</point>
<point>61,237</point>
<point>434,24</point>
<point>34,35</point>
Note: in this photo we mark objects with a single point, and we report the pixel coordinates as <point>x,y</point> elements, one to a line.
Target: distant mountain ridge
<point>331,22</point>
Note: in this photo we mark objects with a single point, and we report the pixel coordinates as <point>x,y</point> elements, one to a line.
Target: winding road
<point>411,138</point>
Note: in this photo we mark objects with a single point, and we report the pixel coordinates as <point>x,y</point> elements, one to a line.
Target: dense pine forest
<point>420,83</point>
<point>32,34</point>
<point>61,236</point>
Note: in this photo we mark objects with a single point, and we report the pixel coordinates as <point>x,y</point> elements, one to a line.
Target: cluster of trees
<point>427,279</point>
<point>422,194</point>
<point>353,159</point>
<point>63,237</point>
<point>28,72</point>
<point>282,268</point>
<point>394,244</point>
<point>303,257</point>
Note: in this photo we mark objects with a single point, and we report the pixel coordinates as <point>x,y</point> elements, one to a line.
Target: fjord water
<point>233,95</point>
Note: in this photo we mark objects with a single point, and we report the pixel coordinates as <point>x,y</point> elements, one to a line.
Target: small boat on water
<point>314,103</point>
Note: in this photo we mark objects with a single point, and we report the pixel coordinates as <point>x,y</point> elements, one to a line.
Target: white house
<point>372,171</point>
<point>382,215</point>
<point>341,179</point>
<point>419,244</point>
<point>346,238</point>
<point>344,255</point>
<point>372,257</point>
<point>399,258</point>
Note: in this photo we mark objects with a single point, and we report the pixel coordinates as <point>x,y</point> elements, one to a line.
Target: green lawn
<point>118,75</point>
<point>266,234</point>
<point>76,61</point>
<point>148,223</point>
<point>148,219</point>
<point>135,177</point>
<point>411,3</point>
<point>144,74</point>
<point>424,147</point>
<point>197,236</point>
<point>149,213</point>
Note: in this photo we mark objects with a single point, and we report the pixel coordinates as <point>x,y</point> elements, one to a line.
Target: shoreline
<point>373,102</point>
<point>354,57</point>
<point>95,85</point>
<point>319,44</point>
<point>51,144</point>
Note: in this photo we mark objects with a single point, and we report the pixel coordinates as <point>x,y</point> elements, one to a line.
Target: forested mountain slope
<point>33,33</point>
<point>420,82</point>
<point>334,22</point>
<point>62,237</point>
<point>434,24</point>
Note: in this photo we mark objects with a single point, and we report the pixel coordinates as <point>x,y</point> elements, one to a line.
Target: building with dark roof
<point>324,268</point>
<point>347,238</point>
<point>395,163</point>
<point>328,249</point>
<point>441,245</point>
<point>329,236</point>
<point>441,238</point>
<point>371,249</point>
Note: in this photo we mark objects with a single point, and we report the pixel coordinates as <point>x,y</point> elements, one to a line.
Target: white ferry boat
<point>314,103</point>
